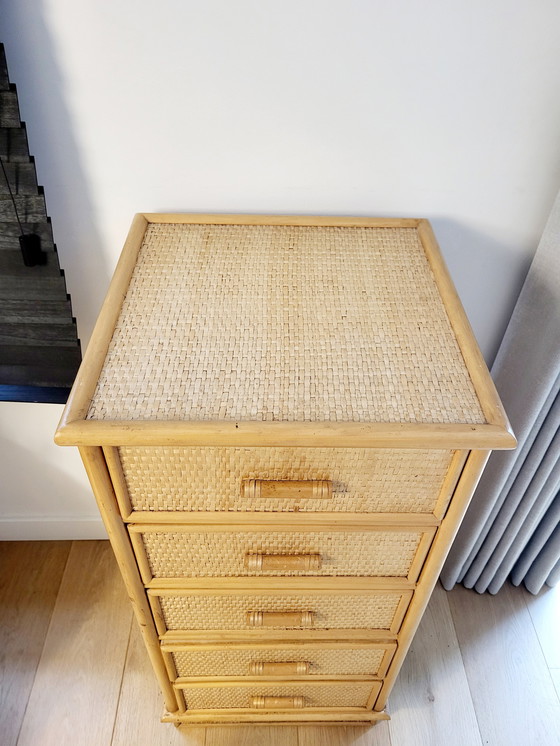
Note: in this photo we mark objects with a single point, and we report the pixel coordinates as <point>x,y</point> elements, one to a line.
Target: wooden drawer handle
<point>253,489</point>
<point>284,668</point>
<point>287,562</point>
<point>280,618</point>
<point>275,703</point>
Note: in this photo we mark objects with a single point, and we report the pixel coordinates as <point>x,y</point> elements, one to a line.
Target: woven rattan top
<point>284,323</point>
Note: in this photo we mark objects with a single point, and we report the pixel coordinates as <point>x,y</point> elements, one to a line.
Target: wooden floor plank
<point>510,682</point>
<point>76,687</point>
<point>29,583</point>
<point>431,698</point>
<point>252,735</point>
<point>345,735</point>
<point>78,694</point>
<point>141,705</point>
<point>545,614</point>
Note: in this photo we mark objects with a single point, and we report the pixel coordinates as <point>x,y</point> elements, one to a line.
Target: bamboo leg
<point>96,468</point>
<point>469,479</point>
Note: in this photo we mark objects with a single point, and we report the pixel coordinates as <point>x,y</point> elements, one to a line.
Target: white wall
<point>446,110</point>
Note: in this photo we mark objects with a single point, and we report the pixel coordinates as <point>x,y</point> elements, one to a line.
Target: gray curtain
<point>512,527</point>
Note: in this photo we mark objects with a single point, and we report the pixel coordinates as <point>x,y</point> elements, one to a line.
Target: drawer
<point>278,659</point>
<point>258,611</point>
<point>280,696</point>
<point>167,552</point>
<point>360,480</point>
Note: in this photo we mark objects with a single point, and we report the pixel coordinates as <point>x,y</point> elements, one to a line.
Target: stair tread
<point>11,265</point>
<point>33,287</point>
<point>22,178</point>
<point>9,233</point>
<point>39,366</point>
<point>38,335</point>
<point>31,207</point>
<point>13,144</point>
<point>9,109</point>
<point>4,79</point>
<point>18,310</point>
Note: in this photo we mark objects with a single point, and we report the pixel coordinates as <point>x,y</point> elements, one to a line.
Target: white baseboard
<point>37,528</point>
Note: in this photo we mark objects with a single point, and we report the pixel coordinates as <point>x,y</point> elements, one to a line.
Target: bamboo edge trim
<point>450,481</point>
<point>387,522</point>
<point>79,432</point>
<point>84,386</point>
<point>346,221</point>
<point>308,716</point>
<point>96,469</point>
<point>238,584</point>
<point>120,487</point>
<point>237,681</point>
<point>142,521</point>
<point>288,636</point>
<point>432,567</point>
<point>71,427</point>
<point>476,365</point>
<point>285,586</point>
<point>181,682</point>
<point>272,645</point>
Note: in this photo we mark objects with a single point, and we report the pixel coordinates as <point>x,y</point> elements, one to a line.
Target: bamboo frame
<point>119,482</point>
<point>433,565</point>
<point>257,637</point>
<point>450,482</point>
<point>262,586</point>
<point>268,521</point>
<point>307,716</point>
<point>247,219</point>
<point>101,484</point>
<point>254,434</point>
<point>229,682</point>
<point>302,582</point>
<point>74,429</point>
<point>482,382</point>
<point>272,522</point>
<point>271,644</point>
<point>86,380</point>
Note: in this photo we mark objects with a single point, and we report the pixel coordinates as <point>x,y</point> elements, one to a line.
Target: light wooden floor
<point>482,670</point>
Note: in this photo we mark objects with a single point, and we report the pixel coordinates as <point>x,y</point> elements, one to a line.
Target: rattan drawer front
<point>309,694</point>
<point>334,660</point>
<point>379,610</point>
<point>166,552</point>
<point>364,480</point>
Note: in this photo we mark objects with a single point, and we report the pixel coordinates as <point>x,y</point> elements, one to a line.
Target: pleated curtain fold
<point>512,527</point>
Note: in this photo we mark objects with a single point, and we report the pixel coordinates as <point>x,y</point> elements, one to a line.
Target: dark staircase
<point>39,346</point>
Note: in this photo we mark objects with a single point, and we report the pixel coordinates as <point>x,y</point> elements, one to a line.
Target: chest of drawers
<point>283,420</point>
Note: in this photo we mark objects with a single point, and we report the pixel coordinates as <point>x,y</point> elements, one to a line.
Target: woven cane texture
<point>365,553</point>
<point>375,611</point>
<point>348,694</point>
<point>364,480</point>
<point>284,323</point>
<point>323,661</point>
